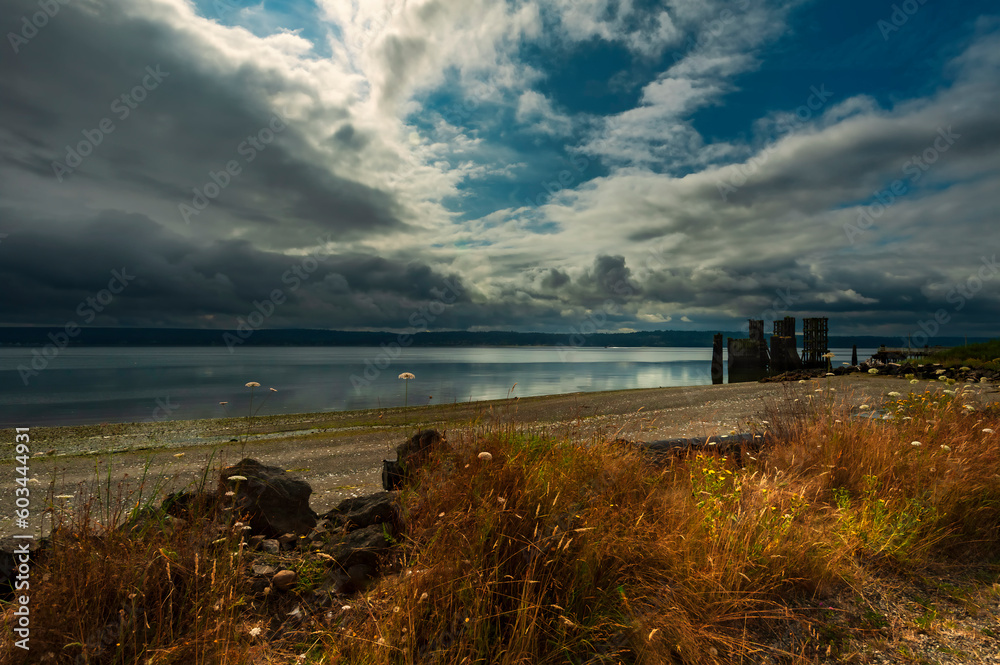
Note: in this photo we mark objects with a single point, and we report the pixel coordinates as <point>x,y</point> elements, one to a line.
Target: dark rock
<point>365,546</point>
<point>11,553</point>
<point>288,541</point>
<point>190,505</point>
<point>258,584</point>
<point>271,546</point>
<point>256,541</point>
<point>270,500</point>
<point>361,576</point>
<point>410,456</point>
<point>392,475</point>
<point>321,530</point>
<point>354,579</point>
<point>261,570</point>
<point>363,511</point>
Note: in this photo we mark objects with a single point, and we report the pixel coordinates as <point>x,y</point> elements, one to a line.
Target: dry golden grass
<point>558,551</point>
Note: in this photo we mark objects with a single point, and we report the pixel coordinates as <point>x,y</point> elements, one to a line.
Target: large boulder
<point>271,501</point>
<point>363,511</point>
<point>358,558</point>
<point>410,456</point>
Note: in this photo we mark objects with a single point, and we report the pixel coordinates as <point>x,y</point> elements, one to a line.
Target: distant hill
<point>41,336</point>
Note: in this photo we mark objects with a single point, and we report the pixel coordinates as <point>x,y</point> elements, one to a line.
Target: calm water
<point>94,385</point>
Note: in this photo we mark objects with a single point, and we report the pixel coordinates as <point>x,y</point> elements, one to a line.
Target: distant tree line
<point>39,336</point>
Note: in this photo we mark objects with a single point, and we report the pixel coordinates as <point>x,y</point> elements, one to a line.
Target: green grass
<point>985,355</point>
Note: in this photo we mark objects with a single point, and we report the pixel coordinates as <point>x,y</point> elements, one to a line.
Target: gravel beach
<point>340,454</point>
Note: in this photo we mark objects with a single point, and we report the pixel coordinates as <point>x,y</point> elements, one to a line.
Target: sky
<point>544,165</point>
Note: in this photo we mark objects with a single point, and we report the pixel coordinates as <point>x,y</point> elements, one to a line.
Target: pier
<point>753,358</point>
<point>892,354</point>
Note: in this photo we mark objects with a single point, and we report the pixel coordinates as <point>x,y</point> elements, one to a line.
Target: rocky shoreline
<point>342,453</point>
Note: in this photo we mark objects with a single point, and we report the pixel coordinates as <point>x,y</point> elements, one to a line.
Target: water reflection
<point>93,385</point>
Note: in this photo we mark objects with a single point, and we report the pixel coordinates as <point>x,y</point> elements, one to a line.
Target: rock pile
<point>264,510</point>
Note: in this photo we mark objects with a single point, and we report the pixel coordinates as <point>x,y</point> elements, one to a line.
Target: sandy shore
<point>340,454</point>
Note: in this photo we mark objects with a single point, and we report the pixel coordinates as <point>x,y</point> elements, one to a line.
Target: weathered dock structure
<point>753,358</point>
<point>815,341</point>
<point>784,351</point>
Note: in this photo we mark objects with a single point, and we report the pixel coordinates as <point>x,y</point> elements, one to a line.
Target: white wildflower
<point>252,384</point>
<point>238,478</point>
<point>485,456</point>
<point>987,431</point>
<point>914,381</point>
<point>946,448</point>
<point>916,444</point>
<point>894,394</point>
<point>863,407</point>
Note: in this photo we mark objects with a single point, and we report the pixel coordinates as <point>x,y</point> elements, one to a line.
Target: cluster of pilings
<point>751,358</point>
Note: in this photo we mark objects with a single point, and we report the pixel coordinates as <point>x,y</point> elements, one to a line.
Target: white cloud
<point>535,109</point>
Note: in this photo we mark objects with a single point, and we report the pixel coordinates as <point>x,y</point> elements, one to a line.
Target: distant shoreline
<point>60,337</point>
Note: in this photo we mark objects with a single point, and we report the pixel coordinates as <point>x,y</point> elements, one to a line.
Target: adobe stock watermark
<point>779,307</point>
<point>264,309</point>
<point>595,321</point>
<point>901,13</point>
<point>122,106</point>
<point>87,310</point>
<point>217,181</point>
<point>223,8</point>
<point>958,295</point>
<point>714,29</point>
<point>369,29</point>
<point>816,100</point>
<point>163,411</point>
<point>30,25</point>
<point>564,179</point>
<point>914,167</point>
<point>418,320</point>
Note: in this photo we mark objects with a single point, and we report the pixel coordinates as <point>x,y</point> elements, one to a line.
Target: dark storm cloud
<point>50,268</point>
<point>196,116</point>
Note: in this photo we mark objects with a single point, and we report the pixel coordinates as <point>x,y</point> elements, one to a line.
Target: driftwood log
<point>736,445</point>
